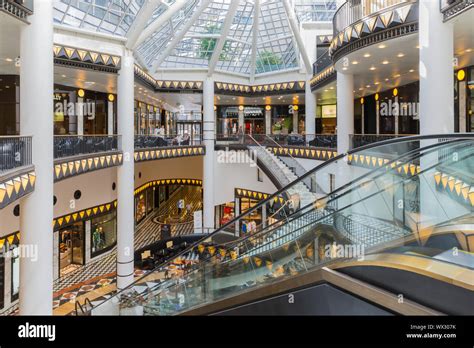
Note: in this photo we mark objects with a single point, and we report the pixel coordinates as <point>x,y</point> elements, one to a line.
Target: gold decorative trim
<point>323,75</point>
<point>244,193</point>
<point>155,183</point>
<point>16,186</point>
<point>252,89</point>
<point>84,214</point>
<point>167,84</point>
<point>373,162</point>
<point>11,239</point>
<point>457,188</point>
<point>169,152</point>
<point>86,56</point>
<point>72,167</point>
<point>304,152</point>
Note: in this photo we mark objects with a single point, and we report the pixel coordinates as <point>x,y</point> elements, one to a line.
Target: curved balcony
<point>17,175</point>
<point>360,23</point>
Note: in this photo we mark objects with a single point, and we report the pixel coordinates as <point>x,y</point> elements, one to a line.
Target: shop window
<point>16,210</point>
<point>114,186</point>
<point>259,175</point>
<point>140,207</point>
<point>103,233</point>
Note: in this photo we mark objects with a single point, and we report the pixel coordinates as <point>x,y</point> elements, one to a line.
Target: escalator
<point>382,240</point>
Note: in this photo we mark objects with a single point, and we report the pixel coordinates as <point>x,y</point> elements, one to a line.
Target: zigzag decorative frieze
<point>170,152</point>
<point>16,186</point>
<point>304,152</point>
<point>72,167</point>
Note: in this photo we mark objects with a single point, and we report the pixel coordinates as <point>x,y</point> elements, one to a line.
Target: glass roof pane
<point>315,10</point>
<point>107,16</point>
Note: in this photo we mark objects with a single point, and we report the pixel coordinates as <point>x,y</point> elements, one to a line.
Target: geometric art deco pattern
<point>16,187</point>
<point>149,155</point>
<point>384,19</point>
<point>316,154</point>
<point>86,56</point>
<point>70,168</point>
<point>457,188</point>
<point>373,162</point>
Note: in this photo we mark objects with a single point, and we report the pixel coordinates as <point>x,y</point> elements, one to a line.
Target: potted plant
<point>277,127</point>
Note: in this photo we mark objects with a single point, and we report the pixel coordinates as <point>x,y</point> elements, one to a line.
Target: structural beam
<point>296,32</point>
<point>234,5</point>
<point>158,22</point>
<point>144,15</point>
<point>256,22</point>
<point>179,35</point>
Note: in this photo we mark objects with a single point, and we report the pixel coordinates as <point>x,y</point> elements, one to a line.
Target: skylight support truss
<point>145,14</point>
<point>179,35</point>
<point>253,64</point>
<point>223,36</point>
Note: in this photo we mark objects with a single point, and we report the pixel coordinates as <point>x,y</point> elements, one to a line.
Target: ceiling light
<point>376,83</point>
<point>9,59</point>
<point>469,50</point>
<point>367,55</point>
<point>326,90</point>
<point>372,68</point>
<point>368,86</point>
<point>344,68</point>
<point>397,75</point>
<point>355,62</point>
<point>382,46</point>
<point>361,89</point>
<point>400,55</point>
<point>385,62</point>
<point>63,75</point>
<point>386,79</point>
<point>417,46</point>
<point>331,87</point>
<point>411,70</point>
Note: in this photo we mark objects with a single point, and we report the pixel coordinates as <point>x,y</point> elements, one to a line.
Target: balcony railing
<point>452,8</point>
<point>15,152</point>
<point>358,140</point>
<point>322,62</point>
<point>315,140</point>
<point>154,141</point>
<point>75,145</point>
<point>353,10</point>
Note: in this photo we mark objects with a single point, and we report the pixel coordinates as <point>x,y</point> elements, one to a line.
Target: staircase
<point>285,175</point>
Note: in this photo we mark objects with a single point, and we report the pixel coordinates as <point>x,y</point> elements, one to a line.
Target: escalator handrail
<point>317,168</point>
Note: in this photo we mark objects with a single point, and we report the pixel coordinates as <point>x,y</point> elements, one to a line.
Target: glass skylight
<point>274,50</point>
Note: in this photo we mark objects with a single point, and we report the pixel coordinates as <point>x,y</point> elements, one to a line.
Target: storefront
<point>103,233</point>
<point>225,213</point>
<point>71,247</point>
<point>80,243</point>
<point>251,221</point>
<point>140,207</point>
<point>148,118</point>
<point>227,120</point>
<point>326,116</point>
<point>254,120</point>
<point>80,111</point>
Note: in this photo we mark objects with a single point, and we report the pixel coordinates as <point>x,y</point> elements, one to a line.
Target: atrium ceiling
<point>248,38</point>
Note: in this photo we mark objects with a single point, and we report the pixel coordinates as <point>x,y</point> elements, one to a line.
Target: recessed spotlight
<point>9,59</point>
<point>372,68</point>
<point>361,89</point>
<point>368,86</point>
<point>326,90</point>
<point>469,50</point>
<point>331,87</point>
<point>355,62</point>
<point>411,70</point>
<point>344,68</point>
<point>63,75</point>
<point>417,46</point>
<point>385,62</point>
<point>400,55</point>
<point>397,75</point>
<point>367,55</point>
<point>376,83</point>
<point>7,86</point>
<point>382,46</point>
<point>386,79</point>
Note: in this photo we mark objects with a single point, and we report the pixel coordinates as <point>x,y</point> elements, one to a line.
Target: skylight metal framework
<point>244,37</point>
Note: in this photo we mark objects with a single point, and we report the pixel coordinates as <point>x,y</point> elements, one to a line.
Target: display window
<point>140,207</point>
<point>15,276</point>
<point>71,247</point>
<point>103,233</point>
<point>149,199</point>
<point>250,222</point>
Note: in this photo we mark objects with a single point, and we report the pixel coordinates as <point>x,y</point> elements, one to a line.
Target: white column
<point>345,110</point>
<point>310,106</point>
<point>295,121</point>
<point>80,117</point>
<point>208,137</point>
<point>36,114</point>
<point>268,122</point>
<point>110,118</point>
<point>241,120</point>
<point>436,70</point>
<point>125,173</point>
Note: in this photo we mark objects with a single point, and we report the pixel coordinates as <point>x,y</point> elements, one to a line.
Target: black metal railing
<point>15,152</point>
<point>74,145</point>
<point>322,63</point>
<point>359,140</point>
<point>154,141</point>
<point>316,140</point>
<point>353,10</point>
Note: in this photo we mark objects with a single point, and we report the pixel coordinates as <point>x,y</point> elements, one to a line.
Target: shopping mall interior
<point>214,157</point>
